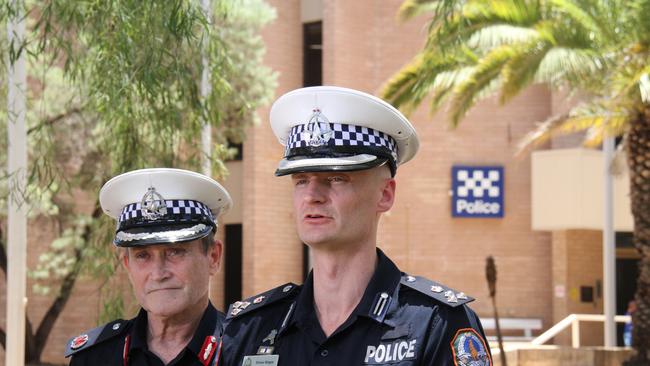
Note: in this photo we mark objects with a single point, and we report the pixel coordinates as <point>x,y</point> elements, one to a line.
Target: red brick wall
<point>577,261</point>
<point>364,45</point>
<point>272,251</point>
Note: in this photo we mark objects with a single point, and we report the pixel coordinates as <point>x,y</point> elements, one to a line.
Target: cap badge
<point>153,205</point>
<point>318,131</point>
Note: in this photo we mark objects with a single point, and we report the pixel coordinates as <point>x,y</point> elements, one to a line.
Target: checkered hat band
<point>176,209</point>
<point>341,135</point>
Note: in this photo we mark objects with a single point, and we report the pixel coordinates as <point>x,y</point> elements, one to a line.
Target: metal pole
<point>206,89</point>
<point>16,206</point>
<point>609,253</point>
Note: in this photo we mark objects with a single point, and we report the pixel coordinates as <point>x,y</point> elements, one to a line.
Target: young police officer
<point>343,148</point>
<point>167,219</point>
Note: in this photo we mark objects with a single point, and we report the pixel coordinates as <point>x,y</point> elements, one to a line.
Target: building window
<point>312,54</point>
<point>624,239</point>
<point>312,71</point>
<point>239,151</point>
<point>233,264</point>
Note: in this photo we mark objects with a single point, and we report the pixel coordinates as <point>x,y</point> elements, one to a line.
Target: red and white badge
<point>207,350</point>
<point>79,341</point>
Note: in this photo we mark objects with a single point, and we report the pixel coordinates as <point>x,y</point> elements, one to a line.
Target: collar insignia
<point>79,341</point>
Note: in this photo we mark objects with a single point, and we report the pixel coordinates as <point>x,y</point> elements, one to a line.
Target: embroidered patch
<point>469,349</point>
<point>397,351</point>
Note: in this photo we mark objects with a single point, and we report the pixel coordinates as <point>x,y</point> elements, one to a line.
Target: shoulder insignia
<point>441,293</point>
<point>95,336</point>
<point>468,347</point>
<point>258,301</point>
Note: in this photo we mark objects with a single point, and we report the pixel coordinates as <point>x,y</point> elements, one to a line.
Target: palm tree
<point>599,49</point>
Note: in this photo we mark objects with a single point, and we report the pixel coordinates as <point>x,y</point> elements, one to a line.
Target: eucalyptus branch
<point>54,119</point>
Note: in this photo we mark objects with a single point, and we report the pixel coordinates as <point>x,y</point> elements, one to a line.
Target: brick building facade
<point>541,271</point>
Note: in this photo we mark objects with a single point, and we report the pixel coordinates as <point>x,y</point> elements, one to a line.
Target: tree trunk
<point>35,341</point>
<point>65,291</point>
<point>638,155</point>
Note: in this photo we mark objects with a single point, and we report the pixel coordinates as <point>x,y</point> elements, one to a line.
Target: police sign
<point>477,191</point>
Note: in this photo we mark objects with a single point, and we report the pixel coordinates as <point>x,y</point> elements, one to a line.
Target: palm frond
<point>478,15</point>
<point>564,125</point>
<point>520,12</point>
<point>598,118</point>
<point>638,11</point>
<point>644,87</point>
<point>466,93</point>
<point>500,34</point>
<point>578,66</point>
<point>445,83</point>
<point>413,8</point>
<point>610,125</point>
<point>540,134</point>
<point>520,70</point>
<point>410,86</point>
<point>578,16</point>
<point>629,83</point>
<point>475,47</point>
<point>398,83</point>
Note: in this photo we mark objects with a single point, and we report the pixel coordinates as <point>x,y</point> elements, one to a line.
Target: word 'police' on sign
<point>477,191</point>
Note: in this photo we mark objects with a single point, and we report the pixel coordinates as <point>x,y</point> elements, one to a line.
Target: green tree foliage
<point>598,49</point>
<point>114,86</point>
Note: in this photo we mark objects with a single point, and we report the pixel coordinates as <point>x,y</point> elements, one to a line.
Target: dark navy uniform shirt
<point>401,320</point>
<point>124,342</point>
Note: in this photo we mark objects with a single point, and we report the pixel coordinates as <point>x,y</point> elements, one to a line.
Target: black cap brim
<point>327,165</point>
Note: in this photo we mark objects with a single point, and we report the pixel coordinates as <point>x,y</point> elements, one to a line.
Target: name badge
<point>261,360</point>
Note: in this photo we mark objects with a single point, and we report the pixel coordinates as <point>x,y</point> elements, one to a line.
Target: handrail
<point>574,320</point>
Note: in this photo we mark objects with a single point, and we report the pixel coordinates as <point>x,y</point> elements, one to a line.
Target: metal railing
<point>573,321</point>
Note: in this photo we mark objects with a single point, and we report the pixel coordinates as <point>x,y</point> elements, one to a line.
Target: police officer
<point>343,148</point>
<point>166,219</point>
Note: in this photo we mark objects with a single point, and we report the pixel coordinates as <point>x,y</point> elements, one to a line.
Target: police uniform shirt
<point>127,345</point>
<point>401,320</point>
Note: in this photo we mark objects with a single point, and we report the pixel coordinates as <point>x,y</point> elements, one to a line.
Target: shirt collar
<point>385,280</point>
<point>207,325</point>
<point>381,290</point>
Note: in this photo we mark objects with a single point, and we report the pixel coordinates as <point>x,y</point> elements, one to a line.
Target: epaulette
<point>242,307</point>
<point>95,336</point>
<point>439,292</point>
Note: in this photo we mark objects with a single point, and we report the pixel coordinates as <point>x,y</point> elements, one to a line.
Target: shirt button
<point>324,353</point>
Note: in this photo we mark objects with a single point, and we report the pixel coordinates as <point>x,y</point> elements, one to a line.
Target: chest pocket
<point>396,347</point>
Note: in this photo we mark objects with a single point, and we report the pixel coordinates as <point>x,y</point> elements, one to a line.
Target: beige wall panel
<point>311,10</point>
<point>567,188</point>
<point>233,184</point>
<point>577,261</point>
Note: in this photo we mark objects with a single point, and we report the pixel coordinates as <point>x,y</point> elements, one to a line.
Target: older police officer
<point>343,148</point>
<point>167,219</point>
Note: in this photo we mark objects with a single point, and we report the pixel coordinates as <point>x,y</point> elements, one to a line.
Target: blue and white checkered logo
<point>477,191</point>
